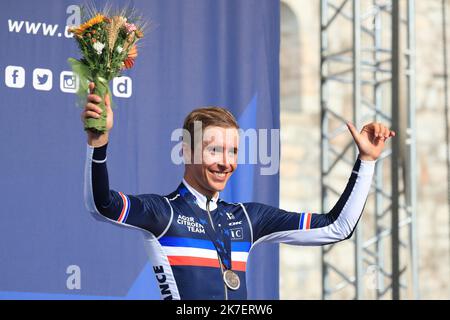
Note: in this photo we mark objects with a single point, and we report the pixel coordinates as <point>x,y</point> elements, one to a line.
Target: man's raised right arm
<point>148,212</point>
<point>97,195</point>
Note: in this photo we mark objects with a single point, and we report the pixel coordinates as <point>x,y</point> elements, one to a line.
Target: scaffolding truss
<point>370,77</point>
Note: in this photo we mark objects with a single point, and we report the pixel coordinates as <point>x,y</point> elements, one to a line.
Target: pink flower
<point>130,27</point>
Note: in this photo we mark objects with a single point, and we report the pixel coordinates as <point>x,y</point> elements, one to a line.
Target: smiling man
<point>211,158</point>
<point>198,244</point>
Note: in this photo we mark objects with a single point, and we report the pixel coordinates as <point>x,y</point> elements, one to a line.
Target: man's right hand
<point>92,110</point>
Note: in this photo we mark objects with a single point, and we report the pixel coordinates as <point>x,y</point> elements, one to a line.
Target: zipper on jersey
<point>218,257</point>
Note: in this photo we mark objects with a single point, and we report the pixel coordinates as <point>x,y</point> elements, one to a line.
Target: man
<point>199,244</point>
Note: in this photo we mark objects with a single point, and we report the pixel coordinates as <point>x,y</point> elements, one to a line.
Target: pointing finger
<point>353,131</point>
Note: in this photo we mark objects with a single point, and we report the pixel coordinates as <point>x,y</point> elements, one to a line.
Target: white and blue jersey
<point>178,240</point>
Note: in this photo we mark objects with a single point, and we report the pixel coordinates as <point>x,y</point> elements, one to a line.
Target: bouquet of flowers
<point>108,46</point>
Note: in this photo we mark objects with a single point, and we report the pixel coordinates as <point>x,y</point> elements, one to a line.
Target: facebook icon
<point>15,77</point>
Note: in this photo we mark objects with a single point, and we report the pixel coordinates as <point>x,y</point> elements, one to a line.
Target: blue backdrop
<point>197,53</point>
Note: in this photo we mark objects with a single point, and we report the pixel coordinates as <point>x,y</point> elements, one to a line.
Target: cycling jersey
<point>185,258</point>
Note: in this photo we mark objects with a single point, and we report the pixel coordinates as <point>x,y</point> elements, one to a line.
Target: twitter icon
<point>42,79</point>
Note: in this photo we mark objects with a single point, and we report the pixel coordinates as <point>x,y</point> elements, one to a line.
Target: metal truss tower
<point>370,76</point>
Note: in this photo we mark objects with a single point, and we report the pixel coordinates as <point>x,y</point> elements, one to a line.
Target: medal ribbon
<point>221,236</point>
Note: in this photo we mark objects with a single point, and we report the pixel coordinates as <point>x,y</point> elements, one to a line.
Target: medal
<point>231,279</point>
<point>220,236</point>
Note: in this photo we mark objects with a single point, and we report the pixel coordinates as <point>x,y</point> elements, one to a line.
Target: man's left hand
<point>371,139</point>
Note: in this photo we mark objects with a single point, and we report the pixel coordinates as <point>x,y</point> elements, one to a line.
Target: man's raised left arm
<point>271,224</point>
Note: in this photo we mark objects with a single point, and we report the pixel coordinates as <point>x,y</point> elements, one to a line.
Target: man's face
<point>216,160</point>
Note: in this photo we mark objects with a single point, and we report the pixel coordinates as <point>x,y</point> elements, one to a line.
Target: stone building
<point>300,267</point>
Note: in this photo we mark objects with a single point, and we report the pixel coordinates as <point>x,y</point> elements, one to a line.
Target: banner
<point>196,53</point>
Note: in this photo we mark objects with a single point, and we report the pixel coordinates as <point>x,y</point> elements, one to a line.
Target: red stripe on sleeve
<point>308,222</point>
<point>123,207</point>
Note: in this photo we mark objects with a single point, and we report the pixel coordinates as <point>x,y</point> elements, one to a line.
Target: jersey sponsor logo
<point>230,216</point>
<point>237,233</point>
<point>190,224</point>
<point>163,285</point>
<point>235,223</point>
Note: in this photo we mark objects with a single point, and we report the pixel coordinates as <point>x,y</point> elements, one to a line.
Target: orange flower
<point>133,52</point>
<point>139,34</point>
<point>91,22</point>
<point>129,63</point>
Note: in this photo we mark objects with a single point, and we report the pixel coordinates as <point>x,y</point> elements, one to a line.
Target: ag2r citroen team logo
<point>190,224</point>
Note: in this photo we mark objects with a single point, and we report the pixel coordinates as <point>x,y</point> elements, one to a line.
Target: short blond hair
<point>209,116</point>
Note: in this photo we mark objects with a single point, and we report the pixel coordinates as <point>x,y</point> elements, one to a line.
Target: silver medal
<point>231,279</point>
